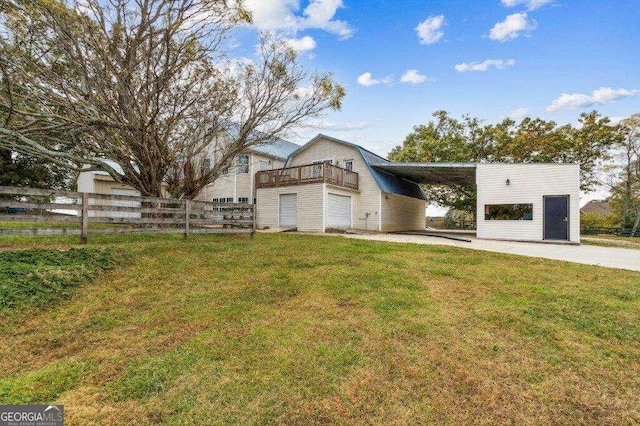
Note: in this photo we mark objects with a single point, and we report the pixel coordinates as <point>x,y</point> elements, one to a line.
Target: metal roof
<point>432,173</point>
<point>279,148</point>
<point>386,181</point>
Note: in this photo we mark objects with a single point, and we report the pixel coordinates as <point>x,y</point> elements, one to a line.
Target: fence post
<point>253,215</point>
<point>187,212</point>
<point>85,218</point>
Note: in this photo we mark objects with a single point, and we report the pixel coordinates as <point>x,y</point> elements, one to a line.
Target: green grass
<point>33,278</point>
<point>611,241</point>
<point>301,329</point>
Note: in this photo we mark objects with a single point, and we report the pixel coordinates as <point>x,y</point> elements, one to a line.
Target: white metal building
<point>528,202</point>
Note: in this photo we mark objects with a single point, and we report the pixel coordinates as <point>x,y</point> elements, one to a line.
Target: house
<point>329,183</point>
<point>600,208</point>
<point>236,184</point>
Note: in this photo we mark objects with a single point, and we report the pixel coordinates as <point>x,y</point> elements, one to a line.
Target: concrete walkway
<point>611,257</point>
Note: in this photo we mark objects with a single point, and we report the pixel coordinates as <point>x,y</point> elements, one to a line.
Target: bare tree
<point>147,84</point>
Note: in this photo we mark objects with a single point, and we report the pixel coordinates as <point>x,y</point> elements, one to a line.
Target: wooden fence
<point>51,212</point>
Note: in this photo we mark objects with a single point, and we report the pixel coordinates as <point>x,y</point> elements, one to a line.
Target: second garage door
<point>288,210</point>
<point>338,211</point>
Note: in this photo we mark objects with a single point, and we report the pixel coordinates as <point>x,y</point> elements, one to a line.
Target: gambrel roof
<point>386,181</point>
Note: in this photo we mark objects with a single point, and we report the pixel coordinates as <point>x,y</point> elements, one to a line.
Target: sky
<point>402,60</point>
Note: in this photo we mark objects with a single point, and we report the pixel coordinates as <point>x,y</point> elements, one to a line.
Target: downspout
<point>380,213</point>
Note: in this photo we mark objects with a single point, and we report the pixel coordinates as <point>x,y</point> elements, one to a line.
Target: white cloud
<point>430,30</point>
<point>603,95</point>
<point>518,114</point>
<point>367,80</point>
<point>303,44</point>
<point>511,27</point>
<point>285,15</point>
<point>529,4</point>
<point>485,65</point>
<point>414,77</point>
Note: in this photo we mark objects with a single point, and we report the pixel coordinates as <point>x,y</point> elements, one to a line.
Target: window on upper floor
<point>262,165</point>
<point>225,171</point>
<point>243,200</point>
<point>348,164</point>
<point>207,165</point>
<point>243,163</point>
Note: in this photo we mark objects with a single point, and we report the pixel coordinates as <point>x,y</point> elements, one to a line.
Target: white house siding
<point>99,183</point>
<point>366,208</point>
<point>310,206</point>
<point>528,183</point>
<point>402,213</point>
<point>86,182</point>
<point>238,185</point>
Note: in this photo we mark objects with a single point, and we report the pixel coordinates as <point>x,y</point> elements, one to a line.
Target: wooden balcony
<point>309,173</point>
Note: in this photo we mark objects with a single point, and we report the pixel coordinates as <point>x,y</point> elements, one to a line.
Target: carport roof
<point>432,173</point>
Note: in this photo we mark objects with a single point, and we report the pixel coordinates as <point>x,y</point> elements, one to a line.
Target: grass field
<point>611,241</point>
<point>308,329</point>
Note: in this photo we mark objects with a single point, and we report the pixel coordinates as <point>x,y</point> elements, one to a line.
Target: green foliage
<point>24,171</point>
<point>36,277</point>
<point>44,385</point>
<point>595,220</point>
<point>447,139</point>
<point>456,218</point>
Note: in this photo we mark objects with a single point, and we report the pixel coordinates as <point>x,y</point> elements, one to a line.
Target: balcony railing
<point>309,173</point>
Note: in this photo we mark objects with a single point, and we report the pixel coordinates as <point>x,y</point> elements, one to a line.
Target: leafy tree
<point>20,170</point>
<point>147,84</point>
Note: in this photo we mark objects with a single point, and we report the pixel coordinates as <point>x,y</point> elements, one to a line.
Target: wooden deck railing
<point>306,174</point>
<point>51,212</point>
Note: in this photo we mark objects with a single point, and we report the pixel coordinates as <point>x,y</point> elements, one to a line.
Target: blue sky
<point>401,60</point>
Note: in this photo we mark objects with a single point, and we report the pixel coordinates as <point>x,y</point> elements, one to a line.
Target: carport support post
<point>187,212</point>
<point>85,218</point>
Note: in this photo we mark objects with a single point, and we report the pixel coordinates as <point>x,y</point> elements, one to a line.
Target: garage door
<point>288,210</point>
<point>338,211</point>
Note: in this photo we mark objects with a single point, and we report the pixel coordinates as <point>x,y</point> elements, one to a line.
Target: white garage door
<point>338,211</point>
<point>288,210</point>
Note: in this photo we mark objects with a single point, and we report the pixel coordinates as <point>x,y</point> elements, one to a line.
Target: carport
<point>516,202</point>
<point>433,173</point>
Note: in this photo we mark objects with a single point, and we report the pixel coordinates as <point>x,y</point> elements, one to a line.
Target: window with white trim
<point>348,164</point>
<point>262,165</point>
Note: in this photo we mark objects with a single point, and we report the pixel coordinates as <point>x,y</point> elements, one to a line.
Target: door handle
<point>566,219</point>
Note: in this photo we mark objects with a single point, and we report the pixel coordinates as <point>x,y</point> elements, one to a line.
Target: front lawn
<point>317,329</point>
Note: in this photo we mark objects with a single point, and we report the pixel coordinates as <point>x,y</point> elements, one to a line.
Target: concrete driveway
<point>611,257</point>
